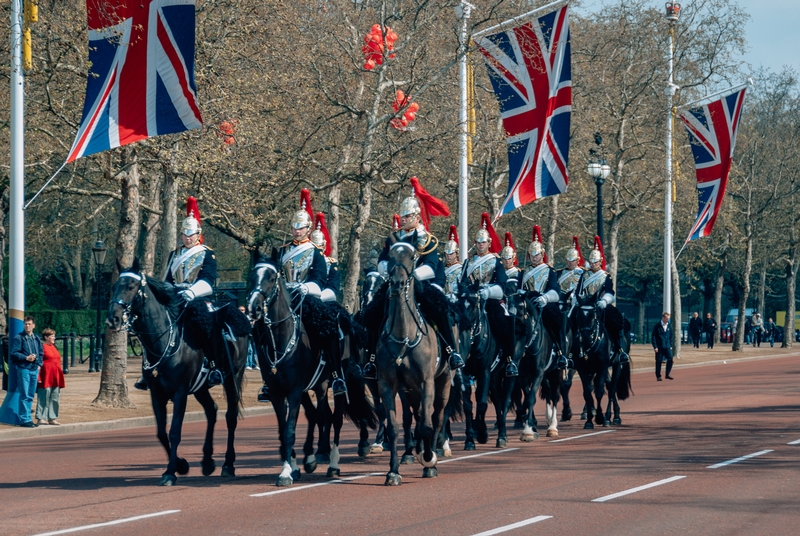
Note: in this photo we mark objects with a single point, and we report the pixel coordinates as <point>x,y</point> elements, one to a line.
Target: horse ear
<point>274,255</point>
<point>119,266</point>
<point>135,267</point>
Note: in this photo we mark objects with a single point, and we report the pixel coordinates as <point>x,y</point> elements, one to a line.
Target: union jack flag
<point>141,80</point>
<point>530,70</point>
<point>712,135</point>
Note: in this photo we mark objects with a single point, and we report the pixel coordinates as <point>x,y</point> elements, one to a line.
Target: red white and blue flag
<point>141,79</point>
<point>530,70</point>
<point>712,134</point>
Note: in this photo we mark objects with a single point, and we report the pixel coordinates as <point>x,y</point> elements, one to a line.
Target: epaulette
<point>208,248</point>
<point>332,260</point>
<point>430,245</point>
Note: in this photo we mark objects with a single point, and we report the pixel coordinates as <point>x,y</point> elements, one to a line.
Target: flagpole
<point>16,257</point>
<point>709,98</point>
<point>672,19</point>
<point>513,21</point>
<point>464,10</point>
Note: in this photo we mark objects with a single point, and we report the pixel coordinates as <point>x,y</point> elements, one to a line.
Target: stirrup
<point>455,361</point>
<point>141,384</point>
<point>512,370</point>
<point>623,357</point>
<point>370,371</point>
<point>562,363</point>
<point>263,395</point>
<point>339,387</point>
<point>214,378</point>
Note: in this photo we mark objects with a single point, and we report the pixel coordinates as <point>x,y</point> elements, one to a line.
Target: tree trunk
<point>551,238</point>
<point>640,310</point>
<point>3,223</point>
<point>738,342</point>
<point>791,285</point>
<point>709,291</point>
<point>613,248</point>
<point>113,380</point>
<point>718,294</point>
<point>169,219</point>
<point>334,199</point>
<point>363,210</point>
<point>152,228</point>
<point>676,305</point>
<point>762,290</point>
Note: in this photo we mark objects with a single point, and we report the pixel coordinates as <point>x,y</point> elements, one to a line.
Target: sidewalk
<point>77,414</point>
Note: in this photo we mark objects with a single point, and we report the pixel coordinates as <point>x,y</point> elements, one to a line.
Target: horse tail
<point>454,410</point>
<point>358,409</point>
<point>624,388</point>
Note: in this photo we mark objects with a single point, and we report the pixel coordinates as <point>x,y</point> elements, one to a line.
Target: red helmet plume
<point>193,211</point>
<point>396,222</point>
<point>576,244</point>
<point>305,202</point>
<point>598,246</point>
<point>486,224</point>
<point>511,252</point>
<point>453,234</point>
<point>537,237</point>
<point>429,205</point>
<point>323,227</point>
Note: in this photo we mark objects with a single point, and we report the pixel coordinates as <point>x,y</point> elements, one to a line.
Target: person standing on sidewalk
<point>710,326</point>
<point>662,344</point>
<point>769,332</point>
<point>758,329</point>
<point>26,354</point>
<point>51,381</point>
<point>695,328</point>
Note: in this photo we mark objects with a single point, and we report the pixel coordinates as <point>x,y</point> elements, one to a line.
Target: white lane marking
<point>307,486</point>
<point>640,488</point>
<point>737,460</point>
<point>477,455</point>
<point>108,523</point>
<point>513,526</point>
<point>580,436</point>
<point>797,442</point>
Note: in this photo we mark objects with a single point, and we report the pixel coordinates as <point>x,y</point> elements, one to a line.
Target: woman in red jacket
<point>51,381</point>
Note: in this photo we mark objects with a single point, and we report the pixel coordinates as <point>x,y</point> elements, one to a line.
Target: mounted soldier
<point>452,265</point>
<point>597,283</point>
<point>415,214</point>
<point>541,282</point>
<point>322,239</point>
<point>193,269</point>
<point>508,256</point>
<point>486,271</point>
<point>569,276</point>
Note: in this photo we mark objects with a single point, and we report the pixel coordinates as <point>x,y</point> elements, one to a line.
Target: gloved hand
<point>187,295</point>
<point>541,301</point>
<point>303,288</point>
<point>601,304</point>
<point>452,297</point>
<point>483,293</point>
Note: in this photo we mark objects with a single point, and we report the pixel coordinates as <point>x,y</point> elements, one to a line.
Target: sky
<point>772,32</point>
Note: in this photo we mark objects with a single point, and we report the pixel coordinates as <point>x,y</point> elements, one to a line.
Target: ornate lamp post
<point>599,170</point>
<point>673,11</point>
<point>99,252</point>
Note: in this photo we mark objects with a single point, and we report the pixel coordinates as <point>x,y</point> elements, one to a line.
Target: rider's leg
<point>502,326</point>
<point>140,383</point>
<point>435,308</point>
<point>372,317</point>
<point>552,319</point>
<point>615,327</point>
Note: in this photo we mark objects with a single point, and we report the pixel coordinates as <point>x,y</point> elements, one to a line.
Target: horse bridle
<point>422,330</point>
<point>268,298</point>
<point>594,339</point>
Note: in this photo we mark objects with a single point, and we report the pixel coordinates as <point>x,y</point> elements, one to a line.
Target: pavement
<point>78,414</point>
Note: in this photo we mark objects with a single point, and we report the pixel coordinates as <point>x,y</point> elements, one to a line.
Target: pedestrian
<point>26,355</point>
<point>710,327</point>
<point>662,344</point>
<point>695,328</point>
<point>748,330</point>
<point>770,332</point>
<point>758,329</point>
<point>51,381</point>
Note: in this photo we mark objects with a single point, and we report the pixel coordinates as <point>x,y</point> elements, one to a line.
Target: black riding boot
<point>263,395</point>
<point>622,356</point>
<point>370,370</point>
<point>214,378</point>
<point>338,386</point>
<point>141,384</point>
<point>434,307</point>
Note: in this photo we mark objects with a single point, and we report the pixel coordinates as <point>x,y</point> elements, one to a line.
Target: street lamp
<point>672,12</point>
<point>99,252</point>
<point>599,170</point>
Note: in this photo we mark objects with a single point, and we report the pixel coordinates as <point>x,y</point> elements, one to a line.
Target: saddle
<point>204,322</point>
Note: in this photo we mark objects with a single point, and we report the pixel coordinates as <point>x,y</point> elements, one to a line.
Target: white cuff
<point>383,268</point>
<point>495,292</point>
<point>423,273</point>
<point>551,295</point>
<point>201,289</point>
<point>608,298</point>
<point>328,295</point>
<point>313,289</point>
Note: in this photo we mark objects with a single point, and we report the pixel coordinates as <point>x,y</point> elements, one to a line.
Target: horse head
<point>402,255</point>
<point>372,282</point>
<point>127,297</point>
<point>264,288</point>
<point>587,322</point>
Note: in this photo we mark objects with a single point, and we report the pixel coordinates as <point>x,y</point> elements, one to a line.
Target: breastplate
<point>537,278</point>
<point>452,274</point>
<point>513,278</point>
<point>186,272</point>
<point>296,269</point>
<point>569,279</point>
<point>483,273</point>
<point>593,282</point>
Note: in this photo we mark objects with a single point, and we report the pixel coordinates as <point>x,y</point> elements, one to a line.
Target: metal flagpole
<point>672,18</point>
<point>518,18</point>
<point>16,272</point>
<point>463,168</point>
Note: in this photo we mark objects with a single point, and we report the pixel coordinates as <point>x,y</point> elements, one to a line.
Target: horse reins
<point>269,323</point>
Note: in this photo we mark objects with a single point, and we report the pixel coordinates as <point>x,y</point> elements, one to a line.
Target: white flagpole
<point>670,90</point>
<point>16,260</point>
<point>463,168</point>
<point>518,18</point>
<point>709,98</point>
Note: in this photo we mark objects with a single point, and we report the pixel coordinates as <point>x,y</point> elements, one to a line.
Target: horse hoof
<point>228,471</point>
<point>469,445</point>
<point>284,481</point>
<point>377,448</point>
<point>440,453</point>
<point>430,472</point>
<point>583,416</point>
<point>364,449</point>
<point>393,479</point>
<point>323,459</point>
<point>310,467</point>
<point>408,458</point>
<point>566,415</point>
<point>182,467</point>
<point>616,421</point>
<point>501,443</point>
<point>447,453</point>
<point>588,426</point>
<point>296,474</point>
<point>483,436</point>
<point>168,480</point>
<point>333,472</point>
<point>208,467</point>
<point>527,438</point>
<point>552,433</point>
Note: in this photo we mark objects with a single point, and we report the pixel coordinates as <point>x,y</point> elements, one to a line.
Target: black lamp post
<point>599,170</point>
<point>99,251</point>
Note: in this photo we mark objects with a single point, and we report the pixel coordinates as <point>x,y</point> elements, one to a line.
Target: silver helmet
<point>451,246</point>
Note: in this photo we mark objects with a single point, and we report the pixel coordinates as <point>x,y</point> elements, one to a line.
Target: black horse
<point>592,349</point>
<point>176,342</point>
<point>408,359</point>
<point>538,368</point>
<point>292,365</point>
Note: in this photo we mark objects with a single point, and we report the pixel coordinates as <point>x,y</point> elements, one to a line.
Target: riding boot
<point>214,378</point>
<point>439,316</point>
<point>512,370</point>
<point>141,384</point>
<point>370,370</point>
<point>622,355</point>
<point>263,395</point>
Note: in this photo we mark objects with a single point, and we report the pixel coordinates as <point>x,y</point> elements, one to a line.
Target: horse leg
<point>210,409</point>
<point>159,403</point>
<point>338,420</point>
<point>586,383</point>
<point>566,384</point>
<point>428,429</point>
<point>289,473</point>
<point>176,464</point>
<point>469,424</point>
<point>440,395</point>
<point>309,461</point>
<point>482,405</point>
<point>599,392</point>
<point>232,394</point>
<point>388,395</point>
<point>530,431</point>
<point>324,414</point>
<point>408,435</point>
<point>377,446</point>
<point>518,401</point>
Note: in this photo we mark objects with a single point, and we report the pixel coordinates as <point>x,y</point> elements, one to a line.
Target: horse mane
<point>166,295</point>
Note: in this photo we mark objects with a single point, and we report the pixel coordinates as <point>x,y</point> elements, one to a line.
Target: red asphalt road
<point>709,414</point>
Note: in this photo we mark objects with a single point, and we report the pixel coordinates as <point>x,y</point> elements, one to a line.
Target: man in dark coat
<point>695,328</point>
<point>662,344</point>
<point>709,326</point>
